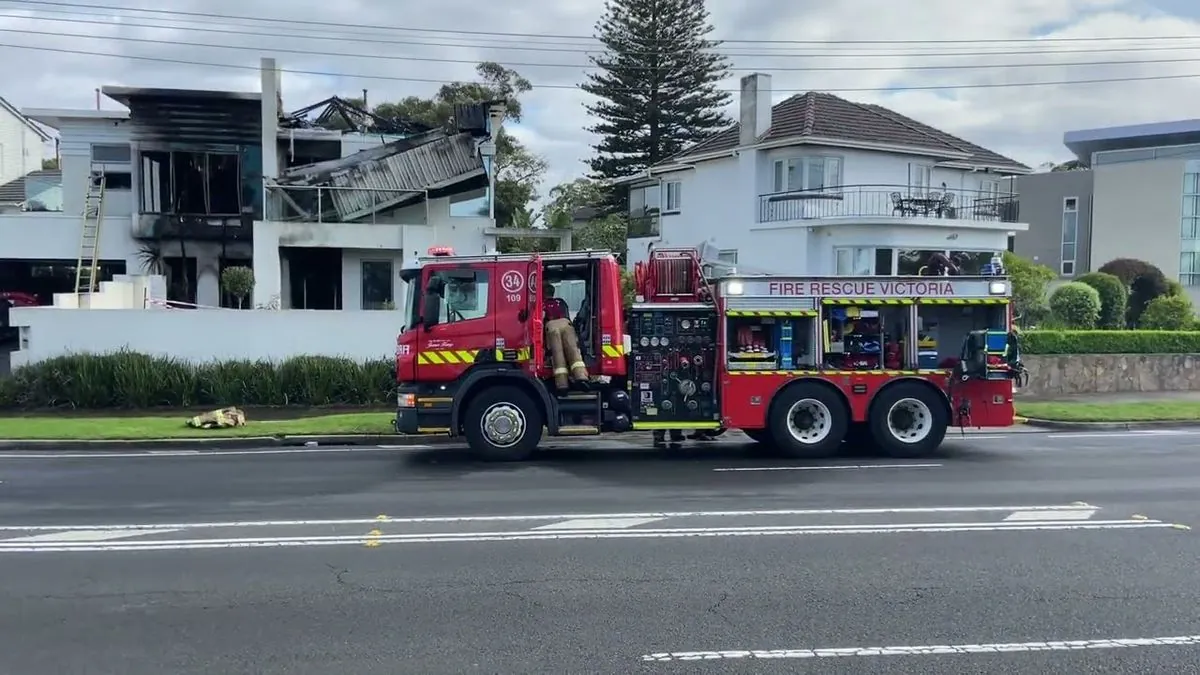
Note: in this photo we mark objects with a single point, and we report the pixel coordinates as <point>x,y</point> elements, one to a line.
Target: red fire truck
<point>800,363</point>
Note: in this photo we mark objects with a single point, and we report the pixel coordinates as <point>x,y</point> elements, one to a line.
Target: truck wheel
<point>909,420</point>
<point>808,421</point>
<point>503,424</point>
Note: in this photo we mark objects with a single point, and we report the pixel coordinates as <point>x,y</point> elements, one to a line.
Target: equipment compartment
<point>759,342</point>
<point>867,336</point>
<point>673,365</point>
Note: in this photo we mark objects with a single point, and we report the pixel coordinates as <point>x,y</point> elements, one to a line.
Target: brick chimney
<point>755,103</point>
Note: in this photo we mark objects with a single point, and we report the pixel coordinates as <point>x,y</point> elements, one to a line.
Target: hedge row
<point>138,381</point>
<point>1110,342</point>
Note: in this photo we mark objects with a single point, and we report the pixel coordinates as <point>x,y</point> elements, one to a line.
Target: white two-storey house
<point>818,184</point>
<point>22,145</point>
<point>197,181</point>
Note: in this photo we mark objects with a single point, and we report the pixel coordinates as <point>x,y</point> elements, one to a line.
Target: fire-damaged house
<point>323,203</point>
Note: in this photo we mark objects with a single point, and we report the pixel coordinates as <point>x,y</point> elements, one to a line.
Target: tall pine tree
<point>657,83</point>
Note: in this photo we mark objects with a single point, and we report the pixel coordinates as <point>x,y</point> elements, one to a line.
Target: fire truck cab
<point>800,363</point>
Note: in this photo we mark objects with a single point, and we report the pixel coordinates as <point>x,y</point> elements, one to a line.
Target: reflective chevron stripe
<point>445,357</point>
<point>771,312</point>
<point>614,351</point>
<point>962,301</point>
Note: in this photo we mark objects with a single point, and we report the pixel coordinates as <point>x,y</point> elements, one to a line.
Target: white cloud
<point>1024,123</point>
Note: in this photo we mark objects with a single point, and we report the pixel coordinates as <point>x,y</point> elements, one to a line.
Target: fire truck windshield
<point>412,297</point>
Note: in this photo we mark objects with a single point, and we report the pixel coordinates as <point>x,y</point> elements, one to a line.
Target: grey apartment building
<point>1136,196</point>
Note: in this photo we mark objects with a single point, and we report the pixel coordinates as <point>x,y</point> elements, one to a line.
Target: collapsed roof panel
<point>392,174</point>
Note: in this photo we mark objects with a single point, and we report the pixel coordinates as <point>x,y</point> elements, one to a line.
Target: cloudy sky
<point>877,51</point>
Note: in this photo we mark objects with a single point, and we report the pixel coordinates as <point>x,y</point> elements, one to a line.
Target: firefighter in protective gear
<point>563,343</point>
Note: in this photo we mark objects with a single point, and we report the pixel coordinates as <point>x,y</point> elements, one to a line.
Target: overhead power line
<point>429,59</point>
<point>328,24</point>
<point>826,52</point>
<point>945,87</point>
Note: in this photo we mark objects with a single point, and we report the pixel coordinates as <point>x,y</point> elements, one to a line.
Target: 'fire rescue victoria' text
<point>864,289</point>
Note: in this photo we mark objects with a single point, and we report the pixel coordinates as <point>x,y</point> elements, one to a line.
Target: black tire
<point>758,435</point>
<point>926,414</point>
<point>834,419</point>
<point>520,404</point>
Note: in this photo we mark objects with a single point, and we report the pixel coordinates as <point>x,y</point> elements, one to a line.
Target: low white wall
<point>206,334</point>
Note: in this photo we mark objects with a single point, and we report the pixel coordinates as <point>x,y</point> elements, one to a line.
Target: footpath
<point>266,428</point>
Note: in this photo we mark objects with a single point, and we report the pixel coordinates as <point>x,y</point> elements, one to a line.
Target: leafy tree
<point>1168,312</point>
<point>1029,282</point>
<point>657,85</point>
<point>50,164</point>
<point>238,281</point>
<point>1075,305</point>
<point>1114,298</point>
<point>518,171</point>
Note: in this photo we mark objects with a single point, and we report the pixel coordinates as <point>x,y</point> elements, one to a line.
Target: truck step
<point>578,430</point>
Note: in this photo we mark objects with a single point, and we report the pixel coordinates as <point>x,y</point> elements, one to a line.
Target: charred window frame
<point>191,183</point>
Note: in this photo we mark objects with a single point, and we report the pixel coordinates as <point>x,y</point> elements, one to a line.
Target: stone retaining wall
<point>1110,373</point>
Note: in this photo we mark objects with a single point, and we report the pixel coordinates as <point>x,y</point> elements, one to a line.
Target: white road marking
<point>927,650</point>
<point>1080,514</point>
<point>842,467</point>
<point>597,523</point>
<point>199,453</point>
<point>73,536</point>
<point>565,535</point>
<point>568,516</point>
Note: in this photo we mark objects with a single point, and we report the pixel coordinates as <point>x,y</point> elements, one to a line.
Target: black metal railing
<point>848,201</point>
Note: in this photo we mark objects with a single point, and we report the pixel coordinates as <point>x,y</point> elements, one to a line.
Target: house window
<point>990,188</point>
<point>472,204</point>
<point>377,286</point>
<point>644,207</point>
<point>1070,235</point>
<point>1189,235</point>
<point>118,180</point>
<point>920,178</point>
<point>853,262</point>
<point>111,154</point>
<point>727,255</point>
<point>674,191</point>
<point>821,173</point>
<point>465,296</point>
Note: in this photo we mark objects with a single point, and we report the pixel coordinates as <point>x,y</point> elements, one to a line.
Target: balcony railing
<point>320,204</point>
<point>644,226</point>
<point>849,201</point>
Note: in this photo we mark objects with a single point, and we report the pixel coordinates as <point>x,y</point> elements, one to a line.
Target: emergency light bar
<point>440,251</point>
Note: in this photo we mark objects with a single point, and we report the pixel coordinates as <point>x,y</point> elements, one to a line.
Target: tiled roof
<point>820,115</point>
<point>14,192</point>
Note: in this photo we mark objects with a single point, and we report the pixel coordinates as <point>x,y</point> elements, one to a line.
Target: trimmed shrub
<point>1114,297</point>
<point>1144,290</point>
<point>138,381</point>
<point>1168,312</point>
<point>1050,342</point>
<point>1128,269</point>
<point>1075,305</point>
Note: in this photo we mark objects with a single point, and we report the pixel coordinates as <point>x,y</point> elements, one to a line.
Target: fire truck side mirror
<point>431,312</point>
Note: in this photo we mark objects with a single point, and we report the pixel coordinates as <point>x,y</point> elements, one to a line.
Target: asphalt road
<point>1013,553</point>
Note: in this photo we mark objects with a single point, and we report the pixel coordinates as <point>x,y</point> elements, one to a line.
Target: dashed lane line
<point>835,467</point>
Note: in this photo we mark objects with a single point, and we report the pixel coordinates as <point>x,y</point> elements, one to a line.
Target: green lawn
<point>1143,411</point>
<point>141,428</point>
